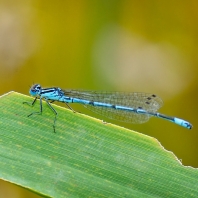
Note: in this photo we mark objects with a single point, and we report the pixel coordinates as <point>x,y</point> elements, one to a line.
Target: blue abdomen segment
<point>109,106</point>
<point>102,104</point>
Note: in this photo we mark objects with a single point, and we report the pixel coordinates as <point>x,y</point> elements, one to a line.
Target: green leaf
<point>85,157</point>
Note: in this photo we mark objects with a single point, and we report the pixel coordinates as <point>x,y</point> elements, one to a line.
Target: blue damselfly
<point>126,107</point>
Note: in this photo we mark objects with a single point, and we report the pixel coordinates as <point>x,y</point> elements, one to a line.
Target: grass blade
<point>85,158</point>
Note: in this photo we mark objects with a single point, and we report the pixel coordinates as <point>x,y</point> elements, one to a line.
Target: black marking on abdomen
<point>91,103</point>
<point>113,106</point>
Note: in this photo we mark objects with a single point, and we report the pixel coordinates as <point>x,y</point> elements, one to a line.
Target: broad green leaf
<point>85,157</point>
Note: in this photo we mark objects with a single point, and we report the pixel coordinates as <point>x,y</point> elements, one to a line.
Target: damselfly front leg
<point>32,104</point>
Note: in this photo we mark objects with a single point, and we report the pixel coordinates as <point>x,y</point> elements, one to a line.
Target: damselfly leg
<point>41,109</point>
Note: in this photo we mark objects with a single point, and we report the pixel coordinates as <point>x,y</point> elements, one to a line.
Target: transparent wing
<point>148,102</point>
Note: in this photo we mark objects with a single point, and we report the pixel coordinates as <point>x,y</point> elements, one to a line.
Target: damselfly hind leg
<point>54,125</point>
<point>70,108</point>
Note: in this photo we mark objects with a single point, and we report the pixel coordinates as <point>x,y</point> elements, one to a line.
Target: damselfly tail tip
<point>183,123</point>
<point>189,126</point>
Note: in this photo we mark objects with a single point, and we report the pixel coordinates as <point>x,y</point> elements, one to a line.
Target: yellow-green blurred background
<point>117,45</point>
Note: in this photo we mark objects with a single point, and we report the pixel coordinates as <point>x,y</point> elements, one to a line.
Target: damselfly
<point>126,107</point>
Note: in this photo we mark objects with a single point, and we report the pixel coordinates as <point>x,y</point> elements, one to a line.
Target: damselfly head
<point>35,90</point>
